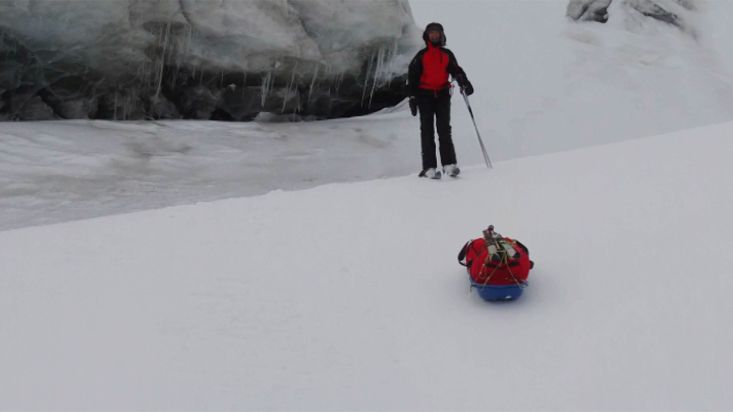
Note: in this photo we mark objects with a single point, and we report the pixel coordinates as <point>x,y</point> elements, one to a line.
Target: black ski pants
<point>434,110</point>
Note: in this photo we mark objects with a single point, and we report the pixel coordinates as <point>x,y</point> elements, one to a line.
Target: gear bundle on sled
<point>498,266</point>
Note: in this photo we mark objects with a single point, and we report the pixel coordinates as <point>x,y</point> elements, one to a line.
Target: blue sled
<point>504,293</point>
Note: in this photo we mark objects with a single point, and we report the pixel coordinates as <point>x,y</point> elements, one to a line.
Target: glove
<point>466,86</point>
<point>413,106</point>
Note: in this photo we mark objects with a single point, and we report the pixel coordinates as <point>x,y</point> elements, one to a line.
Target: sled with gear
<point>498,266</point>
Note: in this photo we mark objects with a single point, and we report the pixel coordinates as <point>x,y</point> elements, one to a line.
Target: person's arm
<point>457,72</point>
<point>413,81</point>
<point>413,74</point>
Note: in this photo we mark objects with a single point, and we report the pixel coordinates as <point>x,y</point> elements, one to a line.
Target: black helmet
<point>434,26</point>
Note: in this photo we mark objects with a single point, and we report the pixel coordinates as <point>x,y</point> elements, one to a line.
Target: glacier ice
<point>203,59</point>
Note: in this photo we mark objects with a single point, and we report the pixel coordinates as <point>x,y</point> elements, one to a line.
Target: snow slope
<point>547,84</point>
<point>58,171</point>
<point>348,296</point>
<point>543,84</point>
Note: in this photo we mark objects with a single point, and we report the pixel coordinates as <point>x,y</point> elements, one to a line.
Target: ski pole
<point>480,141</point>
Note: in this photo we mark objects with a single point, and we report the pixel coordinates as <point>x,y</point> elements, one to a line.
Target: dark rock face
<point>594,10</point>
<point>651,9</point>
<point>202,59</point>
<point>662,10</point>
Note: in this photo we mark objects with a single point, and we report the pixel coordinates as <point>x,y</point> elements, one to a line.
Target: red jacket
<point>430,68</point>
<point>434,69</point>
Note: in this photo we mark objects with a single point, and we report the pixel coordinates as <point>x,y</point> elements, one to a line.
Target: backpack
<point>495,260</point>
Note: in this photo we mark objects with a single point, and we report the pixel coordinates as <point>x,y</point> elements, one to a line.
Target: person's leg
<point>442,114</point>
<point>426,106</point>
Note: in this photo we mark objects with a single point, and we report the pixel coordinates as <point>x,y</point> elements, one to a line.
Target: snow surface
<point>348,296</point>
<point>57,171</point>
<point>548,84</point>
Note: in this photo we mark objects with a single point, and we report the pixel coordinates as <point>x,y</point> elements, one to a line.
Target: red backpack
<point>495,260</point>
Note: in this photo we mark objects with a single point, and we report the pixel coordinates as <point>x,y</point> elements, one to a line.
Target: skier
<point>429,91</point>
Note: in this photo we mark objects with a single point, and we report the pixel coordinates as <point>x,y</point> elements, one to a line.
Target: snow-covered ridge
<point>202,59</point>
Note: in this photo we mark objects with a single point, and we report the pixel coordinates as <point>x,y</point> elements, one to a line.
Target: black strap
<point>522,246</point>
<point>462,254</point>
<point>499,264</point>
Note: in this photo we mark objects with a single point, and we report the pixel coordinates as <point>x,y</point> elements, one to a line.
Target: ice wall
<point>204,59</point>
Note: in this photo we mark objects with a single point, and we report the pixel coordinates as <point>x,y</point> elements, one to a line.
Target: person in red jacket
<point>429,92</point>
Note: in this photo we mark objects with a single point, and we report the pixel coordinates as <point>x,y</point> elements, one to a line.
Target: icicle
<point>366,79</point>
<point>313,83</point>
<point>290,84</point>
<point>377,73</point>
<point>162,59</point>
<point>265,89</point>
<point>337,83</point>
